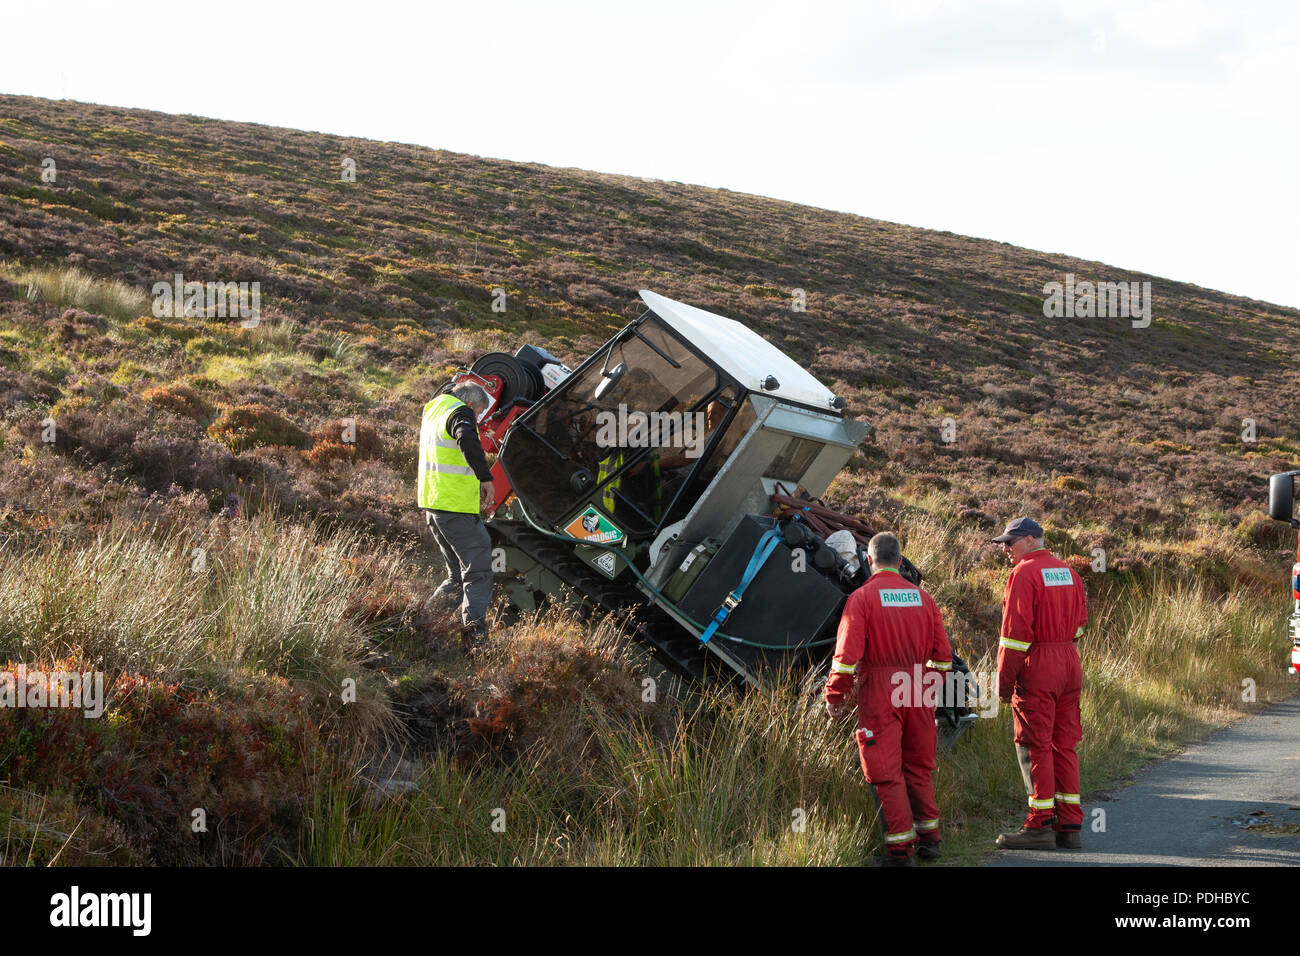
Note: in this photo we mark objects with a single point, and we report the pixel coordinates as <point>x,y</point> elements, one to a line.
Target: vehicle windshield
<point>636,432</point>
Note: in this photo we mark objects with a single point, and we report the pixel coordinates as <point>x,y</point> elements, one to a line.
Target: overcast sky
<point>1156,136</point>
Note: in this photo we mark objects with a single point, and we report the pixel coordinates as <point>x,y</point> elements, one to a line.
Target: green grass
<point>265,366</point>
<point>259,597</point>
<point>726,782</point>
<point>71,287</point>
<point>739,781</point>
<point>589,772</point>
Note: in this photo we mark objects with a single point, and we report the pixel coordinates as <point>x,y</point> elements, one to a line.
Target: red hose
<point>822,520</point>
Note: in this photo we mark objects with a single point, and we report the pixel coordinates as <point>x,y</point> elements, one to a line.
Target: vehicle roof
<point>741,352</point>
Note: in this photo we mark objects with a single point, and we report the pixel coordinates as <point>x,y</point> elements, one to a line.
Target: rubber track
<point>679,651</point>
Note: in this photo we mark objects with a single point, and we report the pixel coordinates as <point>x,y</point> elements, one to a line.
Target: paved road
<point>1231,800</point>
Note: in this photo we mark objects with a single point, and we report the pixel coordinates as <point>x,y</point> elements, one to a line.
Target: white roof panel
<point>744,354</point>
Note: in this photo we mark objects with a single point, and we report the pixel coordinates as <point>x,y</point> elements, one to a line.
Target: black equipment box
<point>783,608</point>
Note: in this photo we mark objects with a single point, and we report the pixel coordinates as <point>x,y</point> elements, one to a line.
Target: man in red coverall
<point>1043,613</point>
<point>890,631</point>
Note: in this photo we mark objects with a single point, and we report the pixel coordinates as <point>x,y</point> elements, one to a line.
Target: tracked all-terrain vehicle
<point>674,477</point>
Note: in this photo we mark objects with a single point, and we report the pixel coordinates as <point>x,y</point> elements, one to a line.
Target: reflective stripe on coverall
<point>889,628</point>
<point>1043,613</point>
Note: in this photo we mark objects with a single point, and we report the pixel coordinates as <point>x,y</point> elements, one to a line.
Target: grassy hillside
<point>132,444</point>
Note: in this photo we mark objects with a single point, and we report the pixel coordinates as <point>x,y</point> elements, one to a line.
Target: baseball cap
<point>1019,529</point>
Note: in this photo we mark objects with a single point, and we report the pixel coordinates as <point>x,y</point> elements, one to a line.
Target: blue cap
<point>1020,528</point>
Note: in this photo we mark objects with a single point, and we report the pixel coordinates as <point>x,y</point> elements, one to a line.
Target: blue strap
<point>766,545</point>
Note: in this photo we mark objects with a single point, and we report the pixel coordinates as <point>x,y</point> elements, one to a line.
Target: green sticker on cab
<point>593,526</point>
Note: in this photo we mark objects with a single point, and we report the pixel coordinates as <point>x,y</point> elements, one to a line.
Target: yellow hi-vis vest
<point>612,464</point>
<point>446,481</point>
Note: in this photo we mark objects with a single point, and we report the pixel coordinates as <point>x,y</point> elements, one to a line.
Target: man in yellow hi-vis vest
<point>654,496</point>
<point>454,483</point>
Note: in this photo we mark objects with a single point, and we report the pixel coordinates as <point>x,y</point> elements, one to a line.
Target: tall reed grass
<point>586,771</point>
<point>767,779</point>
<point>249,596</point>
<point>73,287</point>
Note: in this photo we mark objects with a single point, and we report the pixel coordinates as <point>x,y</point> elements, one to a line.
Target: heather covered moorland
<point>180,509</point>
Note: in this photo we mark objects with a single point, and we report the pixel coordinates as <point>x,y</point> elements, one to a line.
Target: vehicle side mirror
<point>609,380</point>
<point>1281,498</point>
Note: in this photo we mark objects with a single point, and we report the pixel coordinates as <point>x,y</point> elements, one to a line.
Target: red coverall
<point>1043,613</point>
<point>892,628</point>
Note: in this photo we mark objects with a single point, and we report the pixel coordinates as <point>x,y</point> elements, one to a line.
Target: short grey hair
<point>884,551</point>
<point>471,394</point>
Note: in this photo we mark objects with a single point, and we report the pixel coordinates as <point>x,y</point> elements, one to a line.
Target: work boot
<point>1028,838</point>
<point>928,852</point>
<point>1069,840</point>
<point>890,860</point>
<point>473,639</point>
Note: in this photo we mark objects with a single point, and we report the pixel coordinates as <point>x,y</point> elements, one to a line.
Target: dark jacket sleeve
<point>465,430</point>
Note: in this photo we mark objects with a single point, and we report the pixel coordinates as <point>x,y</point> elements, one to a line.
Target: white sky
<point>1156,136</point>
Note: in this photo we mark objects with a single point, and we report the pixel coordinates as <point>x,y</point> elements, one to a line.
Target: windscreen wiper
<point>542,438</point>
<point>666,358</point>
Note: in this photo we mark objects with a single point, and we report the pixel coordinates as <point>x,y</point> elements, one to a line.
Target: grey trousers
<point>467,550</point>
